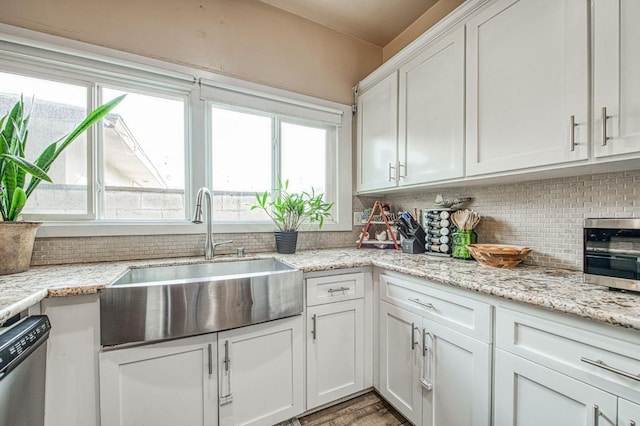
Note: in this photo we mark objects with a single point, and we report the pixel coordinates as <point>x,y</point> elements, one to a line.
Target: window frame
<point>41,55</point>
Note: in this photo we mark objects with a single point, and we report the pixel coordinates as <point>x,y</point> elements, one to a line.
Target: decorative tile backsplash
<point>545,215</point>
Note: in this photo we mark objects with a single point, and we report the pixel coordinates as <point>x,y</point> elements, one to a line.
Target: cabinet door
<point>378,135</point>
<point>528,394</point>
<point>616,84</point>
<point>169,383</point>
<point>335,351</point>
<point>456,378</point>
<point>628,413</point>
<point>431,113</point>
<point>400,362</point>
<point>527,76</point>
<point>261,373</point>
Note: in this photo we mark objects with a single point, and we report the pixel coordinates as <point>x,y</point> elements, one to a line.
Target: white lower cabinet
<point>527,393</point>
<point>456,378</point>
<point>261,373</point>
<point>552,369</point>
<point>432,374</point>
<point>335,351</point>
<point>168,383</point>
<point>400,360</point>
<point>628,413</point>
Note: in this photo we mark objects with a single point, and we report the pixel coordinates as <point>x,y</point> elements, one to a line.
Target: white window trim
<point>84,57</point>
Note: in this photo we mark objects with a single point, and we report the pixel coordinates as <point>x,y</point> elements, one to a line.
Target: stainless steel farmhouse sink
<point>166,302</point>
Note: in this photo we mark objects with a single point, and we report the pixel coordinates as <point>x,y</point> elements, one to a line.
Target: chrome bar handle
<point>596,415</point>
<point>228,397</point>
<point>391,178</point>
<point>426,358</point>
<point>425,304</point>
<point>335,290</point>
<point>572,133</point>
<point>601,364</point>
<point>632,423</point>
<point>226,361</point>
<point>414,342</point>
<point>210,354</point>
<point>603,118</point>
<point>314,331</point>
<point>402,166</point>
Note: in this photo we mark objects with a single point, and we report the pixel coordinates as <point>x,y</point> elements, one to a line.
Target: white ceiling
<point>376,21</point>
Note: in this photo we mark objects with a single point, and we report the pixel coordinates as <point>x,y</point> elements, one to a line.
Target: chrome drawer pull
<point>336,290</point>
<point>228,397</point>
<point>427,361</point>
<point>596,415</point>
<point>603,118</point>
<point>601,364</point>
<point>572,133</point>
<point>632,423</point>
<point>425,304</point>
<point>413,336</point>
<point>314,331</point>
<point>210,355</point>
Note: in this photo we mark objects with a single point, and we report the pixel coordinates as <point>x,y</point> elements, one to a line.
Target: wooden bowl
<point>498,255</point>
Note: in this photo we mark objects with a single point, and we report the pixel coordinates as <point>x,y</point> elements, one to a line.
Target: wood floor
<point>366,410</point>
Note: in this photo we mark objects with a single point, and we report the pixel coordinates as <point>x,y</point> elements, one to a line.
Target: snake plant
<point>14,167</point>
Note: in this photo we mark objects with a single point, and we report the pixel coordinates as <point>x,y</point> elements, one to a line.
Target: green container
<point>460,239</point>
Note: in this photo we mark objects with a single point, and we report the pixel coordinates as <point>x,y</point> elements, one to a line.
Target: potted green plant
<point>17,237</point>
<point>289,210</point>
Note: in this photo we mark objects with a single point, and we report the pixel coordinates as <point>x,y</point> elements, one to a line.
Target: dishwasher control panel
<point>20,339</point>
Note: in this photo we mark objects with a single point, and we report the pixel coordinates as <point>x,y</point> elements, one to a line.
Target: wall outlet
<point>357,218</point>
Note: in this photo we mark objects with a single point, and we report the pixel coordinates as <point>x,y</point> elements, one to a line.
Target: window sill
<point>104,228</point>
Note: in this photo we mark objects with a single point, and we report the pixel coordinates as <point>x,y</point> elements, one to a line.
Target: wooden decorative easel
<point>390,235</point>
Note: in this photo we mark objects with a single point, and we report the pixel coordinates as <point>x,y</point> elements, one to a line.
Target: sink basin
<point>167,302</point>
<point>158,275</point>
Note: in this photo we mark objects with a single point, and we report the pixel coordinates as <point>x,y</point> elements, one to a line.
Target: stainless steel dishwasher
<point>22,371</point>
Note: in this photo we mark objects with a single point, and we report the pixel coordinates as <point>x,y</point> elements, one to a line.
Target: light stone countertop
<point>556,289</point>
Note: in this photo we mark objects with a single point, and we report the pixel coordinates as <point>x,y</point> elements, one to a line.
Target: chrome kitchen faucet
<point>209,245</point>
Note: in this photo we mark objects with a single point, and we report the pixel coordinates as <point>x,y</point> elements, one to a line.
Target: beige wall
<point>422,24</point>
<point>240,38</point>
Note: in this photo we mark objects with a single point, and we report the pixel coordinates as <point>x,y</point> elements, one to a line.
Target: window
<point>252,150</point>
<point>143,157</point>
<point>56,108</point>
<point>137,172</point>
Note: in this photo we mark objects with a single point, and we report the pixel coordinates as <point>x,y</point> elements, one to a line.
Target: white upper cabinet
<point>616,77</point>
<point>431,113</point>
<point>527,84</point>
<point>378,135</point>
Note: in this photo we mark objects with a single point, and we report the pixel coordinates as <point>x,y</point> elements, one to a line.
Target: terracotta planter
<point>16,246</point>
<point>286,241</point>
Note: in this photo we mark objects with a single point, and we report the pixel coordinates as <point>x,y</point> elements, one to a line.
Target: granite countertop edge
<point>555,289</point>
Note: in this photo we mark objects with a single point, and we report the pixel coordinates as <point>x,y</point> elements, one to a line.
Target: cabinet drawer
<point>460,313</point>
<point>334,288</point>
<point>607,360</point>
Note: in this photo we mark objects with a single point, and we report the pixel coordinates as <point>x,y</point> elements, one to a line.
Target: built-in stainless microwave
<point>612,253</point>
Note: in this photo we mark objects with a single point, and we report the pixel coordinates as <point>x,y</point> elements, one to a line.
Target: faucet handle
<point>219,244</point>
